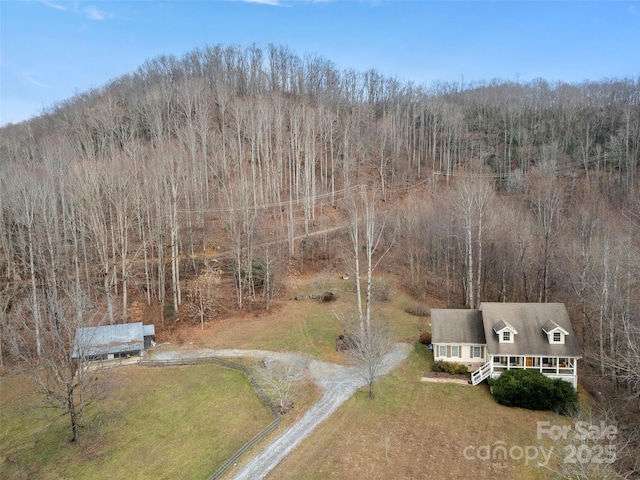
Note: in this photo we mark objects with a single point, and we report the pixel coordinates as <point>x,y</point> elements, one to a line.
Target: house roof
<point>532,322</point>
<point>502,325</point>
<point>108,339</point>
<point>529,319</point>
<point>456,326</point>
<point>551,326</point>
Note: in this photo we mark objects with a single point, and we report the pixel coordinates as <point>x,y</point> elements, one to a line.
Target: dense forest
<point>197,184</point>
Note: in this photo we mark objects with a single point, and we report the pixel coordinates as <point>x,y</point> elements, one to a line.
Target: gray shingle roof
<point>528,319</point>
<point>550,326</point>
<point>501,325</point>
<point>108,339</point>
<point>456,326</point>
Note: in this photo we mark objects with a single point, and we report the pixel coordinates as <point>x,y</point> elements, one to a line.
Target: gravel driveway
<point>337,382</point>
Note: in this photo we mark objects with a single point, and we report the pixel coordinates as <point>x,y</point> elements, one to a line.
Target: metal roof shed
<point>111,341</point>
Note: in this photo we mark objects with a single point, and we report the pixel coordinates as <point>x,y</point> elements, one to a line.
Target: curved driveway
<point>337,382</point>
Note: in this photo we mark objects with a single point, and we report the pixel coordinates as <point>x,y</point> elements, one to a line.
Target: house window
<point>557,337</point>
<point>477,352</point>
<point>506,336</point>
<point>443,351</point>
<point>455,351</point>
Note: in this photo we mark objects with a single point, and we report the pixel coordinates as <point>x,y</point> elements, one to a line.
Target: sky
<point>53,49</point>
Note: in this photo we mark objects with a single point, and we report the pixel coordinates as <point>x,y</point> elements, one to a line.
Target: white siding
<point>465,352</point>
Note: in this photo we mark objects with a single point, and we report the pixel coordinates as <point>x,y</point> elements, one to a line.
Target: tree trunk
<point>73,417</point>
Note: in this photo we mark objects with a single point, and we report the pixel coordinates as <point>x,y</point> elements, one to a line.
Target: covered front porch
<point>553,367</point>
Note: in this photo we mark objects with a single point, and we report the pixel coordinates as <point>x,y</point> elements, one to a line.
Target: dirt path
<point>337,382</point>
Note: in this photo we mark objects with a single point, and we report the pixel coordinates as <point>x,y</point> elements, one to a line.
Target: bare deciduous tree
<point>240,226</point>
<point>368,348</point>
<point>548,202</point>
<point>204,296</point>
<point>7,296</point>
<point>366,230</point>
<point>279,379</point>
<point>470,203</point>
<point>63,371</point>
<point>597,446</point>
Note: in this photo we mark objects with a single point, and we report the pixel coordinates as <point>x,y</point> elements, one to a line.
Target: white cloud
<point>94,14</point>
<point>35,82</point>
<point>52,5</point>
<point>275,3</point>
<point>91,12</point>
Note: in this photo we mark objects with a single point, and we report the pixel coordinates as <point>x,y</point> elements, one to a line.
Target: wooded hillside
<point>226,169</point>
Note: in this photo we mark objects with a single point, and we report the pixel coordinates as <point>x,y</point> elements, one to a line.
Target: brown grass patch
<point>415,430</point>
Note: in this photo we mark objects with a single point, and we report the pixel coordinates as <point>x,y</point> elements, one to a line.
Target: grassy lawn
<point>414,429</point>
<point>308,326</point>
<point>183,422</point>
<point>170,422</point>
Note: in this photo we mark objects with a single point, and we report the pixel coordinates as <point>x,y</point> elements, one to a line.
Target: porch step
<point>481,374</point>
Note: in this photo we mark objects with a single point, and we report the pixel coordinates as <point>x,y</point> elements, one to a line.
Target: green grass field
<point>168,422</point>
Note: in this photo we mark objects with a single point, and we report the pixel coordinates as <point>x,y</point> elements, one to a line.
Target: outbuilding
<point>113,341</point>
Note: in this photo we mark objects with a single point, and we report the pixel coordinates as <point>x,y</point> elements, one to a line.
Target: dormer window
<point>555,333</point>
<point>505,332</point>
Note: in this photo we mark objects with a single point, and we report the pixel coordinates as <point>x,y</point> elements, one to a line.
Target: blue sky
<point>51,49</point>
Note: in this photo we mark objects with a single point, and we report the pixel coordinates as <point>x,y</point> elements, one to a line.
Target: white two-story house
<point>505,336</point>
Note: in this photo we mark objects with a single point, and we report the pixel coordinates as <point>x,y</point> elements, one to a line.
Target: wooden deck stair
<point>481,374</point>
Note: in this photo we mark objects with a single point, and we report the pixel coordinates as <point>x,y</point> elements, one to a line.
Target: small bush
<point>532,390</point>
<point>450,367</point>
<point>418,309</point>
<point>327,297</point>
<point>326,280</point>
<point>440,366</point>
<point>425,338</point>
<point>460,369</point>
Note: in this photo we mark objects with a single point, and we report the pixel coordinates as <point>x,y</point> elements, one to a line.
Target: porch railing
<point>482,373</point>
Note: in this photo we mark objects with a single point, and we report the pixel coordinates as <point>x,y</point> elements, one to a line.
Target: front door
<point>529,362</point>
